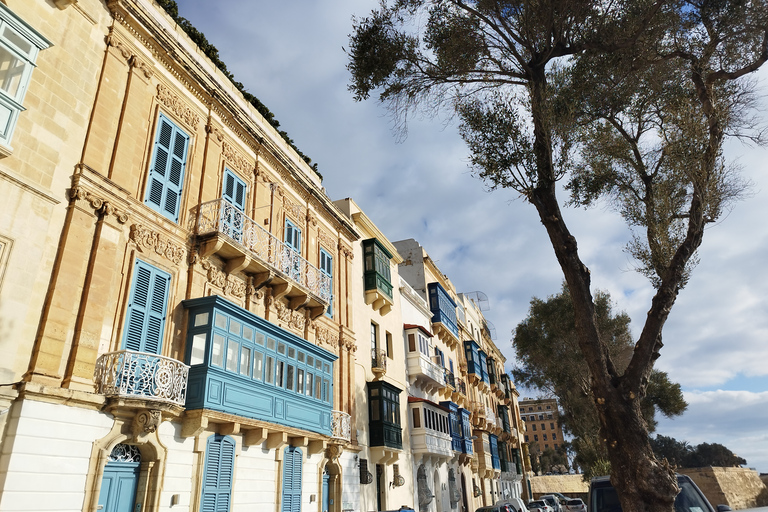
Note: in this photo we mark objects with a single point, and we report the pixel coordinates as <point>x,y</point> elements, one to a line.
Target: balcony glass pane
<point>258,365</point>
<point>259,339</point>
<point>310,383</point>
<point>197,356</point>
<point>232,350</point>
<point>245,361</point>
<point>217,350</point>
<point>201,319</point>
<point>220,321</point>
<point>300,381</point>
<point>270,369</point>
<point>289,374</point>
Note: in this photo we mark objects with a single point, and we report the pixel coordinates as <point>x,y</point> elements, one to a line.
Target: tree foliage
<point>548,358</point>
<point>628,102</point>
<point>683,455</point>
<point>210,51</point>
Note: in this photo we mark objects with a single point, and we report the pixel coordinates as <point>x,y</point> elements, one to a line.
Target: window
<point>552,426</point>
<point>543,426</point>
<point>377,267</point>
<point>554,437</point>
<point>533,427</point>
<point>145,315</point>
<point>233,191</point>
<point>326,267</point>
<point>374,345</point>
<point>19,46</point>
<point>166,177</point>
<point>545,437</point>
<point>291,261</point>
<point>389,345</point>
<point>536,438</point>
<point>217,478</point>
<point>526,438</point>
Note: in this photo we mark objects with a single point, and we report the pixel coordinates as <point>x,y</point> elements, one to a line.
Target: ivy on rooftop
<point>172,8</point>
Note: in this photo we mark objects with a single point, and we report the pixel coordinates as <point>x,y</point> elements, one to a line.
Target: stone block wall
<point>570,485</point>
<point>738,488</point>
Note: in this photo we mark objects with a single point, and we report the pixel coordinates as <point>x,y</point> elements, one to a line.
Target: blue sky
<point>290,55</point>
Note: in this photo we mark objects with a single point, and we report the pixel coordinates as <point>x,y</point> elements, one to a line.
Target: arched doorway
<point>120,480</point>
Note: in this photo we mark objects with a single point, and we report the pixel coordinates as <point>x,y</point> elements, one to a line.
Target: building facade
<point>543,423</point>
<point>186,318</point>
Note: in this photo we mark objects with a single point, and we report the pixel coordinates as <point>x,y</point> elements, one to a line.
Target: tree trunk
<point>643,484</point>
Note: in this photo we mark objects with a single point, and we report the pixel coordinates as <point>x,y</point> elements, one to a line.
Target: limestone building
<point>189,323</point>
<point>542,421</point>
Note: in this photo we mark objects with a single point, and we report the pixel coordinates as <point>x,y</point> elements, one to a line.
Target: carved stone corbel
<point>146,422</point>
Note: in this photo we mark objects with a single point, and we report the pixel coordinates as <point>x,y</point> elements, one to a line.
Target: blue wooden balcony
<point>243,365</point>
<point>443,308</point>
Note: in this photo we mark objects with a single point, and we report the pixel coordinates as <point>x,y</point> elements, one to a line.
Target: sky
<point>291,56</point>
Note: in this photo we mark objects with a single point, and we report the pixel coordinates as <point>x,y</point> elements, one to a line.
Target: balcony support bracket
<point>255,436</point>
<point>236,264</point>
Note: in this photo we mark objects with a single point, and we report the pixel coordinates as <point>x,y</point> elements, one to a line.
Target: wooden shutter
<point>217,478</point>
<point>166,176</point>
<point>292,465</point>
<point>233,190</point>
<point>145,318</point>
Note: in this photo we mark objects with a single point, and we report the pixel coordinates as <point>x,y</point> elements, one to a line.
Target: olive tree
<point>507,68</point>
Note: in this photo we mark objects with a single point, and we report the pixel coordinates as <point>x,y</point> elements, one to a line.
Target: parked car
<point>553,501</point>
<point>539,506</point>
<point>603,497</point>
<point>494,508</point>
<point>575,505</point>
<point>513,504</point>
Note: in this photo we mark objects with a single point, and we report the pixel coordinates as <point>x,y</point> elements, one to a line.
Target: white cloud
<point>735,419</point>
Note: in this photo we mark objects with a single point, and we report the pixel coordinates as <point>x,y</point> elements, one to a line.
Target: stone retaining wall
<point>570,485</point>
<point>738,488</point>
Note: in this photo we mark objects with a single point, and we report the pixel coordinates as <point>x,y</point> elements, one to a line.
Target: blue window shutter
<point>147,306</point>
<point>217,477</point>
<point>166,176</point>
<point>292,464</point>
<point>234,189</point>
<point>326,267</point>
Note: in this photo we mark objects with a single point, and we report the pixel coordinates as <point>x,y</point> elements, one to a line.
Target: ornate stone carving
<point>295,320</point>
<point>177,106</point>
<point>142,66</point>
<point>334,451</point>
<point>326,336</point>
<point>146,422</point>
<point>311,219</point>
<point>229,284</point>
<point>347,342</point>
<point>114,42</point>
<point>295,209</point>
<point>216,133</point>
<point>99,204</point>
<point>238,161</point>
<point>147,239</point>
<point>327,240</point>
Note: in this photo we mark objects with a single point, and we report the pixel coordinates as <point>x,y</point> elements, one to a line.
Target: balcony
<point>430,432</point>
<point>377,276</point>
<point>341,426</point>
<point>425,373</point>
<point>246,367</point>
<point>379,363</point>
<point>443,315</point>
<point>129,374</point>
<point>224,230</point>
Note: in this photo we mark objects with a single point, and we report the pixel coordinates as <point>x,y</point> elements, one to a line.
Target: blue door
<point>232,217</point>
<point>121,475</point>
<point>326,496</point>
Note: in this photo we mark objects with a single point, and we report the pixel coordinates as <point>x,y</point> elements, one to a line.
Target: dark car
<point>603,497</point>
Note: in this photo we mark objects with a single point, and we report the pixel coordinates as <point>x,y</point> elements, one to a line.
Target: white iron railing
<point>341,426</point>
<point>490,416</point>
<point>223,217</point>
<point>129,374</point>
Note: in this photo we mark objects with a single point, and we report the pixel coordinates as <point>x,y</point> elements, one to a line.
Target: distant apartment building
<point>543,423</point>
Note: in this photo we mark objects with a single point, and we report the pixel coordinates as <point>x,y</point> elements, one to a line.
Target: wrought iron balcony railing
<point>129,374</point>
<point>379,362</point>
<point>450,379</point>
<point>341,426</point>
<point>220,216</point>
<point>461,386</point>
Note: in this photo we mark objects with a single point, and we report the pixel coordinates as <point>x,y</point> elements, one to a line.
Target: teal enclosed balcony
<point>443,308</point>
<point>377,276</point>
<point>245,366</point>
